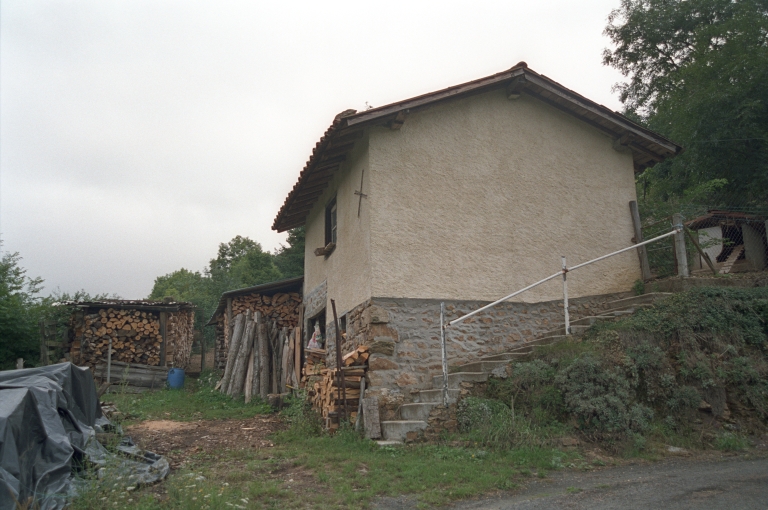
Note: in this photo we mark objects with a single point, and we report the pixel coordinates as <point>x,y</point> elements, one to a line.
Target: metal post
<point>445,358</point>
<point>682,256</point>
<point>565,298</point>
<point>109,362</point>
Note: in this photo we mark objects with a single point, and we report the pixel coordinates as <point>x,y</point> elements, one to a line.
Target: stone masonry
<point>404,337</point>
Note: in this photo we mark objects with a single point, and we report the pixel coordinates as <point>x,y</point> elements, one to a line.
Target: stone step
<point>454,380</point>
<point>627,310</point>
<point>642,299</point>
<point>436,396</point>
<point>575,331</point>
<point>505,356</point>
<point>397,430</point>
<point>588,321</point>
<point>482,366</point>
<point>417,411</point>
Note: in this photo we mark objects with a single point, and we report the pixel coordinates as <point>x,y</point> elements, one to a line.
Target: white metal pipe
<point>470,314</point>
<point>565,298</point>
<point>445,357</point>
<point>633,247</point>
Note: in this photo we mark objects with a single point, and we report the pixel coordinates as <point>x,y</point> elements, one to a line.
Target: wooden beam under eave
<point>398,121</point>
<point>515,87</point>
<point>338,150</point>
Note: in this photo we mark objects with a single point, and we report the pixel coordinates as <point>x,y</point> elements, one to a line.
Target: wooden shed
<point>150,333</point>
<point>279,302</point>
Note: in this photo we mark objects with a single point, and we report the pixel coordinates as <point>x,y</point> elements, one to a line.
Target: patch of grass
<point>196,401</point>
<point>731,442</point>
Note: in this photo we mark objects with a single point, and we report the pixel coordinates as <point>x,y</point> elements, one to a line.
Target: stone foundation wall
<point>404,337</point>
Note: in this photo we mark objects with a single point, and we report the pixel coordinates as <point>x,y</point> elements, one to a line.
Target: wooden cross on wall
<point>360,193</point>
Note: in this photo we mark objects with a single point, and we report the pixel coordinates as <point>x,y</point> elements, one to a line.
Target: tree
<point>182,285</point>
<point>698,73</point>
<point>20,310</point>
<point>231,252</point>
<point>290,259</point>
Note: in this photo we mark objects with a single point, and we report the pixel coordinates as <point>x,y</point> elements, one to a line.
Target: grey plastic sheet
<point>49,417</point>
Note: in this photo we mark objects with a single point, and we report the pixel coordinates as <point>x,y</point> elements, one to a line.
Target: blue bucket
<point>176,378</point>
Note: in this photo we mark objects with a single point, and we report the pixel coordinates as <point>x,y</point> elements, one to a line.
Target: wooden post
<point>565,298</point>
<point>230,327</point>
<point>338,357</point>
<point>109,361</point>
<point>645,268</point>
<point>680,253</point>
<point>359,418</point>
<point>261,332</point>
<point>43,348</point>
<point>703,254</point>
<point>202,352</point>
<point>163,333</point>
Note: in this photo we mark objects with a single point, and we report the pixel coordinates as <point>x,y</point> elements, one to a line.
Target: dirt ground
<point>195,359</point>
<point>178,440</point>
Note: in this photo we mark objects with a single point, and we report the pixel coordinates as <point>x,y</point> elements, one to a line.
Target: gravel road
<point>732,483</point>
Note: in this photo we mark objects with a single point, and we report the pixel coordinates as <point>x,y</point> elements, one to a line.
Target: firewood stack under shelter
<point>326,390</point>
<point>152,333</point>
<point>279,304</point>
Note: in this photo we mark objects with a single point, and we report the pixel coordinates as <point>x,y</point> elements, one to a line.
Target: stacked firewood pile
<point>135,335</point>
<point>282,308</point>
<point>180,329</point>
<point>324,386</point>
<point>261,358</point>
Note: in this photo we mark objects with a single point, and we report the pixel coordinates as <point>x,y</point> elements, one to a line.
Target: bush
<point>304,421</point>
<point>597,397</point>
<point>474,413</point>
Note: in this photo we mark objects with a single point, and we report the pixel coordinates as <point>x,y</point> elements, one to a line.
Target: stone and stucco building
<point>465,195</point>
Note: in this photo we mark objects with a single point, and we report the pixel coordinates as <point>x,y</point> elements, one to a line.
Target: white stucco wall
<point>348,269</point>
<point>479,197</point>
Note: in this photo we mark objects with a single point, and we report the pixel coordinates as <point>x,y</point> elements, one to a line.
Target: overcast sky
<point>137,136</point>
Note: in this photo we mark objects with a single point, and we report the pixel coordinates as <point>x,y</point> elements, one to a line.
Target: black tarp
<point>49,417</point>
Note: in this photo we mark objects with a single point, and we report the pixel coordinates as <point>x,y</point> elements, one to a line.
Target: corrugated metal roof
<point>717,217</point>
<point>286,285</point>
<point>648,148</point>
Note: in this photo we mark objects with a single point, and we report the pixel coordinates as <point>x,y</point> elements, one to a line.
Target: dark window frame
<point>331,222</point>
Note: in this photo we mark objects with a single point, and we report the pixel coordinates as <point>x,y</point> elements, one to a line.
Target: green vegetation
<point>239,263</point>
<point>696,73</point>
<point>198,400</point>
<point>641,379</point>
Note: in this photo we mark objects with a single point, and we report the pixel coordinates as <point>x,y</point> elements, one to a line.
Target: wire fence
<point>728,228</point>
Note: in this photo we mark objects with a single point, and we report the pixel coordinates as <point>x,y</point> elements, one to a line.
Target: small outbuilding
<point>734,241</point>
<point>152,333</point>
<point>279,302</point>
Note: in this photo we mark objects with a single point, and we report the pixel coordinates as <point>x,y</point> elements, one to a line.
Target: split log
<point>234,347</point>
<point>241,360</point>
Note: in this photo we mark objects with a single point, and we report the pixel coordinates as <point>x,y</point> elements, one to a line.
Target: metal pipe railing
<point>563,271</point>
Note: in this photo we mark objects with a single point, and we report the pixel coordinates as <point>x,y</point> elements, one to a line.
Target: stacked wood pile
<point>181,329</point>
<point>324,386</point>
<point>282,309</point>
<point>136,337</point>
<point>261,358</point>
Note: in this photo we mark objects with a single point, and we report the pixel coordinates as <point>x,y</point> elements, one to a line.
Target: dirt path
<point>178,440</point>
<point>733,483</point>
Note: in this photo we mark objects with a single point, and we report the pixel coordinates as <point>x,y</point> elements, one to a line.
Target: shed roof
<point>648,148</point>
<point>286,285</point>
<point>717,217</point>
<point>141,305</point>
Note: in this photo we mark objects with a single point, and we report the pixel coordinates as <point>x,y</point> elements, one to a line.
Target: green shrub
<point>474,412</point>
<point>304,421</point>
<point>596,396</point>
<point>683,399</point>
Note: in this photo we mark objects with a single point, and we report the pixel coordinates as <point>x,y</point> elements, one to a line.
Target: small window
<point>330,223</point>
